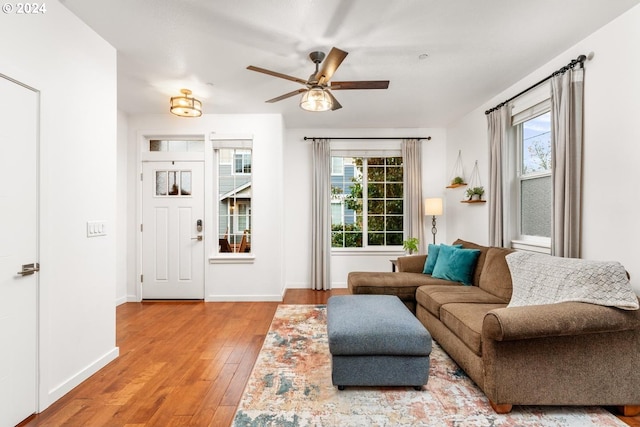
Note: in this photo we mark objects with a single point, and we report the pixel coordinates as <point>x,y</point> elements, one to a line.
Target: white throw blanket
<point>545,279</point>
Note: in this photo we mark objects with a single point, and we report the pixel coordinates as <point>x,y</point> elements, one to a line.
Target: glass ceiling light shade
<point>316,99</point>
<point>185,105</point>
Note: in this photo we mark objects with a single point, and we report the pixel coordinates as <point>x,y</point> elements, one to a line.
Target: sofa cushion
<point>432,298</point>
<point>456,264</point>
<point>432,257</point>
<point>496,277</point>
<point>465,321</point>
<point>402,285</point>
<point>480,263</point>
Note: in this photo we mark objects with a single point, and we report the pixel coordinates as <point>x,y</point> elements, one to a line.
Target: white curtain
<point>567,92</point>
<point>498,122</point>
<point>413,210</point>
<point>321,216</point>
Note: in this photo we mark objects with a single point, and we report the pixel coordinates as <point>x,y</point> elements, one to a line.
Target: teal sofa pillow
<point>432,257</point>
<point>456,264</point>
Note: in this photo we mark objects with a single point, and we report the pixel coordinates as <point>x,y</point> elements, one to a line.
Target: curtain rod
<point>579,60</point>
<point>428,138</point>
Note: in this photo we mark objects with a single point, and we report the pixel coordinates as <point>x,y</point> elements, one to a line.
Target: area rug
<point>290,385</point>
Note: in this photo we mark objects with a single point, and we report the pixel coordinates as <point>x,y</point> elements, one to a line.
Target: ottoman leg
<point>340,387</point>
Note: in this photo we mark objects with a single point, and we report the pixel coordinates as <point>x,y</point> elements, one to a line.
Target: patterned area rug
<point>291,386</point>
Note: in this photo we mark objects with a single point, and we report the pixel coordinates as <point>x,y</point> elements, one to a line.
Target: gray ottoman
<point>374,340</point>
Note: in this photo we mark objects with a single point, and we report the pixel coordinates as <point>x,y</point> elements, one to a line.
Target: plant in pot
<point>475,193</point>
<point>458,180</point>
<point>411,245</point>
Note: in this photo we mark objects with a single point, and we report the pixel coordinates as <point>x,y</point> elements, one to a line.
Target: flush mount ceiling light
<point>185,105</point>
<point>316,99</point>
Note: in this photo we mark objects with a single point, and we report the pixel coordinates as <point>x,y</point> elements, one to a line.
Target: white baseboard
<point>62,389</point>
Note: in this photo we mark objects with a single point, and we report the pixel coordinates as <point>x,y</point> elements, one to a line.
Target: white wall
<point>297,191</point>
<point>611,145</point>
<point>75,71</point>
<point>262,280</point>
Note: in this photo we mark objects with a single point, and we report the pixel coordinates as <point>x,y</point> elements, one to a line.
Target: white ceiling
<point>475,50</point>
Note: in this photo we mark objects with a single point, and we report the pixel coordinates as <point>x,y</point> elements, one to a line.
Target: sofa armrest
<point>562,319</point>
<point>411,263</point>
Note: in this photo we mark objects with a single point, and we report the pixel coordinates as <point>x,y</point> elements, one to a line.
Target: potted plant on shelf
<point>475,193</point>
<point>411,245</point>
<point>458,180</point>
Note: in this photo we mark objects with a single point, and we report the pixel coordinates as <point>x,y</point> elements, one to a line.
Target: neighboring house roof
<point>242,192</point>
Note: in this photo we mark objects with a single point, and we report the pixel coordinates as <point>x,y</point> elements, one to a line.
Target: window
<point>366,202</point>
<point>242,161</point>
<point>234,200</point>
<point>534,178</point>
<point>173,183</point>
<point>176,146</point>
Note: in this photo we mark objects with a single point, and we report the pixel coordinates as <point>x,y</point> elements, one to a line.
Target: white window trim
<point>379,250</point>
<point>520,115</point>
<point>238,142</point>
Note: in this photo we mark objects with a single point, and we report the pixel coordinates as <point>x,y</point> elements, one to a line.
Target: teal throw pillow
<point>456,264</point>
<point>432,257</point>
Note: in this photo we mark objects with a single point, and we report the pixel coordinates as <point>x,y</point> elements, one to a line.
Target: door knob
<point>198,238</point>
<point>29,269</point>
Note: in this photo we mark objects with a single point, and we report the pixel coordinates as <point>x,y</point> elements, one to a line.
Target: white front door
<point>18,248</point>
<point>173,230</point>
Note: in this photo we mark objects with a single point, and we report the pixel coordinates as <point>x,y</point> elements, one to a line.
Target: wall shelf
<point>457,185</point>
<point>473,201</point>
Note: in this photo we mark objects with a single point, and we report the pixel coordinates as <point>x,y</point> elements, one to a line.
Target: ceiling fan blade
<point>276,74</point>
<point>364,84</point>
<point>330,65</point>
<point>335,104</point>
<point>287,95</point>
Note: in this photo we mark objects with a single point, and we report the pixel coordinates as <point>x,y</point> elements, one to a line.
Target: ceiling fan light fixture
<point>316,99</point>
<point>185,105</point>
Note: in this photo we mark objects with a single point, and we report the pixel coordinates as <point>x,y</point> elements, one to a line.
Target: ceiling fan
<point>317,91</point>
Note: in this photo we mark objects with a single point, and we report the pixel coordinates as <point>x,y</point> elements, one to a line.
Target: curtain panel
<point>498,122</point>
<point>413,209</point>
<point>321,215</point>
<point>567,99</point>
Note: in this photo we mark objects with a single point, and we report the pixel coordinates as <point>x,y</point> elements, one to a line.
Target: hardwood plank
<point>181,363</point>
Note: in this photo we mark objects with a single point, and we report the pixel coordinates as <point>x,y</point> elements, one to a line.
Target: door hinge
<point>141,278</point>
<point>140,176</point>
<point>140,227</point>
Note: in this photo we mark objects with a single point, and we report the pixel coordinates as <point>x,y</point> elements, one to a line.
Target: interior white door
<point>173,230</point>
<point>18,247</point>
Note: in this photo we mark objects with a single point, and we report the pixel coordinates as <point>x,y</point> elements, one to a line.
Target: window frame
<point>217,257</point>
<point>365,199</point>
<point>528,110</point>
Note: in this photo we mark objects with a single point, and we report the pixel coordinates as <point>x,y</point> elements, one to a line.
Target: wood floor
<point>181,364</point>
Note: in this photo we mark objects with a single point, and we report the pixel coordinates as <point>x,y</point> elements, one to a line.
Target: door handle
<point>29,269</point>
<point>198,238</point>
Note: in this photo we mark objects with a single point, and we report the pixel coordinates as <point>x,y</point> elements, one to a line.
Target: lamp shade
<point>185,105</point>
<point>433,206</point>
<point>316,99</point>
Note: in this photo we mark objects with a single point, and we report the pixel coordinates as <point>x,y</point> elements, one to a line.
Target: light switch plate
<point>96,228</point>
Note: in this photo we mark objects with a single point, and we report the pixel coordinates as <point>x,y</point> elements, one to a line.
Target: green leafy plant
<point>457,180</point>
<point>479,191</point>
<point>411,245</point>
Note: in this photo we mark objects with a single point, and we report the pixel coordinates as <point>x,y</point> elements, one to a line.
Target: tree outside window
<point>367,203</point>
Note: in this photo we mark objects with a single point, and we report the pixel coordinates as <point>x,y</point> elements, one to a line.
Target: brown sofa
<point>568,353</point>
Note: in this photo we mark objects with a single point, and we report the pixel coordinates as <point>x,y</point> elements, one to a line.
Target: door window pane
<point>161,183</point>
<point>173,183</point>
